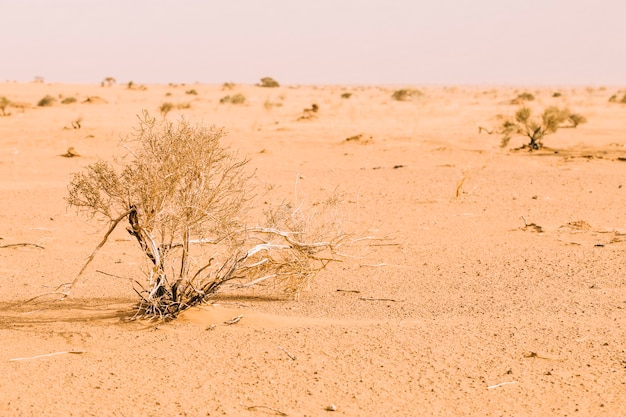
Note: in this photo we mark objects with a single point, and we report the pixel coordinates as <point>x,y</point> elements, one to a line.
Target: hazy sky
<point>316,41</point>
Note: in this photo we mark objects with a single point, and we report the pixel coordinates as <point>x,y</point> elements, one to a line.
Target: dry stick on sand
<point>12,245</point>
<point>379,299</point>
<point>75,352</point>
<point>253,407</point>
<point>292,357</point>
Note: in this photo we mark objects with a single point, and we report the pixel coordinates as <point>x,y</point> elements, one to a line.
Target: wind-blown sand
<point>466,308</point>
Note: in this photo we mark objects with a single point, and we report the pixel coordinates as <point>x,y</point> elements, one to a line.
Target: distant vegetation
<point>68,100</point>
<point>192,92</point>
<point>4,103</point>
<point>234,99</point>
<point>536,128</point>
<point>268,82</point>
<point>406,94</point>
<point>228,86</point>
<point>521,98</point>
<point>108,82</point>
<point>46,101</point>
<point>614,99</point>
<point>346,95</point>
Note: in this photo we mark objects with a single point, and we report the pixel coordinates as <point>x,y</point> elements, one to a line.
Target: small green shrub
<point>68,100</point>
<point>234,99</point>
<point>536,128</point>
<point>406,94</point>
<point>46,101</point>
<point>268,82</point>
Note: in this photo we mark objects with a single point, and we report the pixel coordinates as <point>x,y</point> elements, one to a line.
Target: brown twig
<point>10,245</point>
<point>292,357</point>
<point>252,407</point>
<point>379,299</point>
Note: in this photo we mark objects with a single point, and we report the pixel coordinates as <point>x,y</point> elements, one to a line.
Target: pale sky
<point>450,42</point>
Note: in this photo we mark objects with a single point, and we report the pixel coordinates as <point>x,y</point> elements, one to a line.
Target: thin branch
<point>21,244</point>
<point>76,352</point>
<point>114,224</point>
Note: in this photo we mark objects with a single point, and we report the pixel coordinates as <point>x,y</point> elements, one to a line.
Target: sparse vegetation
<point>536,128</point>
<point>614,99</point>
<point>557,94</point>
<point>192,92</point>
<point>68,100</point>
<point>346,95</point>
<point>523,97</point>
<point>47,100</point>
<point>4,103</point>
<point>234,99</point>
<point>268,82</point>
<point>406,94</point>
<point>108,82</point>
<point>166,108</point>
<point>228,86</point>
<point>187,201</point>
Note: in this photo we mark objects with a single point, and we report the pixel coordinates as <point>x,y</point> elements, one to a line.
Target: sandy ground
<point>467,308</point>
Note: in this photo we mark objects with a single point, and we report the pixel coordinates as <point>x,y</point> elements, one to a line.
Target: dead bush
<point>406,94</point>
<point>268,82</point>
<point>187,202</point>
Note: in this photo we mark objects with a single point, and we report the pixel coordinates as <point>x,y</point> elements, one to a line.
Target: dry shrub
<point>406,94</point>
<point>536,128</point>
<point>523,97</point>
<point>268,82</point>
<point>187,200</point>
<point>4,103</point>
<point>46,101</point>
<point>234,99</point>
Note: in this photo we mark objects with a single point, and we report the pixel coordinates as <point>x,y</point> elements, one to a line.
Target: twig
<point>10,245</point>
<point>114,224</point>
<point>234,320</point>
<point>75,352</point>
<point>378,299</point>
<point>252,407</point>
<point>292,357</point>
<point>501,384</point>
<point>354,291</point>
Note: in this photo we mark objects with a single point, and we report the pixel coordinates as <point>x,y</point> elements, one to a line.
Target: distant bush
<point>614,99</point>
<point>192,92</point>
<point>46,101</point>
<point>346,95</point>
<point>4,103</point>
<point>536,128</point>
<point>183,105</point>
<point>108,81</point>
<point>268,82</point>
<point>166,108</point>
<point>406,94</point>
<point>557,94</point>
<point>521,98</point>
<point>228,86</point>
<point>234,99</point>
<point>68,100</point>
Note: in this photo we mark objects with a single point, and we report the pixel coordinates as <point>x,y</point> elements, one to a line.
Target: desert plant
<point>234,99</point>
<point>4,103</point>
<point>406,94</point>
<point>166,108</point>
<point>46,101</point>
<point>187,200</point>
<point>557,94</point>
<point>268,82</point>
<point>346,95</point>
<point>108,81</point>
<point>228,86</point>
<point>536,128</point>
<point>184,105</point>
<point>192,92</point>
<point>614,99</point>
<point>68,100</point>
<point>522,97</point>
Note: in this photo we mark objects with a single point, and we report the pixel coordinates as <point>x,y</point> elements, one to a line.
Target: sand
<point>499,288</point>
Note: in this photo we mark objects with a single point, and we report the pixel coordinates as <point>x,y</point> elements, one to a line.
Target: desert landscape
<point>495,285</point>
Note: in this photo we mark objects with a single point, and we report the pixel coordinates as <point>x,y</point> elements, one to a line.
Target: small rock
<point>331,407</point>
